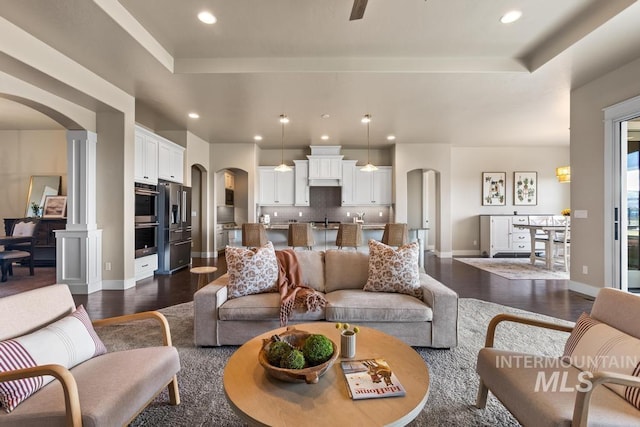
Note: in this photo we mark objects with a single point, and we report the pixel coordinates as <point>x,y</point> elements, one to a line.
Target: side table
<point>203,274</point>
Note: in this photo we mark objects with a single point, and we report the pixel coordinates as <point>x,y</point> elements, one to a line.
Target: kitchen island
<point>324,236</point>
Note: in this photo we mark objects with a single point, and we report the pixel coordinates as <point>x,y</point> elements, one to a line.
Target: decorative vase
<point>348,344</point>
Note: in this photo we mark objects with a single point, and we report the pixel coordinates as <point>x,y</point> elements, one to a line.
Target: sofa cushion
<point>345,269</point>
<point>312,269</point>
<point>361,306</point>
<point>264,306</point>
<point>251,271</point>
<point>594,346</point>
<point>394,270</point>
<point>67,342</point>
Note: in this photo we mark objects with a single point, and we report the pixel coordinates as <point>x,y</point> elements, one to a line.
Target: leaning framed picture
<point>54,207</point>
<point>493,188</point>
<point>525,188</point>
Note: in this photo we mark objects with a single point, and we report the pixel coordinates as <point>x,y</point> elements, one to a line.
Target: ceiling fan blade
<point>357,12</point>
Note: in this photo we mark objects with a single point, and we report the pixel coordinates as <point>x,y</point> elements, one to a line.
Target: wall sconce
<point>563,173</point>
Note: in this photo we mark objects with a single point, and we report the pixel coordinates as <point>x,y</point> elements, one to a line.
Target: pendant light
<point>369,167</point>
<point>563,173</point>
<point>282,167</point>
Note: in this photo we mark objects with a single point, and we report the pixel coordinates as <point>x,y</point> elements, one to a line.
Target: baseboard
<point>467,252</point>
<point>583,288</point>
<point>443,254</point>
<point>118,285</point>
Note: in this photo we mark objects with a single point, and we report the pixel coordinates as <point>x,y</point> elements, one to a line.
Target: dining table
<point>546,234</point>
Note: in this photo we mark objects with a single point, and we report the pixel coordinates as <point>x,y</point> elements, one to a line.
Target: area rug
<point>515,268</point>
<point>453,385</point>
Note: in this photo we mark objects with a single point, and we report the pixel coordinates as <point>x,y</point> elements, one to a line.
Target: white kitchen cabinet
<point>146,157</point>
<point>276,188</point>
<point>145,266</point>
<point>301,186</point>
<point>225,180</point>
<point>366,188</point>
<point>325,167</point>
<point>170,161</point>
<point>229,180</point>
<point>501,234</point>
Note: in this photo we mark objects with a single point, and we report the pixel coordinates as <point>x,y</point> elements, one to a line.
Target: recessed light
<point>366,118</point>
<point>391,137</point>
<point>284,118</point>
<point>325,116</point>
<point>511,16</point>
<point>194,115</point>
<point>207,17</point>
<point>257,138</point>
<point>324,137</point>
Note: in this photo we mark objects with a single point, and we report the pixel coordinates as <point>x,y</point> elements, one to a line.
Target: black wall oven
<point>146,220</point>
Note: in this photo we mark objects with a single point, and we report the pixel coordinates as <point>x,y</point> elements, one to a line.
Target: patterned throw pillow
<point>394,270</point>
<point>251,271</point>
<point>595,346</point>
<point>67,342</point>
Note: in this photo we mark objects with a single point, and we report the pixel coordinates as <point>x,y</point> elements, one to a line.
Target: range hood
<point>325,166</point>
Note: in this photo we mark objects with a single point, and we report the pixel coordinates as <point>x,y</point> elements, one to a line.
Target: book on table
<point>371,378</point>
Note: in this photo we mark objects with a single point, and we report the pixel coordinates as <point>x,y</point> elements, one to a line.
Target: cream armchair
<point>566,395</point>
<point>106,390</point>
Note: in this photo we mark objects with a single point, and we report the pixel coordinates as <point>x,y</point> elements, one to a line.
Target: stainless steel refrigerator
<point>174,246</point>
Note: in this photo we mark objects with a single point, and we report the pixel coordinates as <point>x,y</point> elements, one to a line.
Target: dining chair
<point>24,227</point>
<point>254,234</point>
<point>562,245</point>
<point>395,234</point>
<point>349,235</point>
<point>300,235</point>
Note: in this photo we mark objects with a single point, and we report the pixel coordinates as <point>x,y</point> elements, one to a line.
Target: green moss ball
<point>292,360</point>
<point>276,351</point>
<point>317,349</point>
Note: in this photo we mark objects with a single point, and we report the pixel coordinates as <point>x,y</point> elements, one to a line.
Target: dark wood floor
<point>550,297</point>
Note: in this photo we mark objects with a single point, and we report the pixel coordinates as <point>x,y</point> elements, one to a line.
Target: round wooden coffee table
<point>261,400</point>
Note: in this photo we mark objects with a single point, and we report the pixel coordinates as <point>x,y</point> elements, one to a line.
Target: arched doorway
<point>199,212</point>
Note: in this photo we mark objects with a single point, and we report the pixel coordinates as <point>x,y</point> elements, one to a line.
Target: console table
<point>44,245</point>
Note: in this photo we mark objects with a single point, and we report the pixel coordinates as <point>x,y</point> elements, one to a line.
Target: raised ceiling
<point>435,71</point>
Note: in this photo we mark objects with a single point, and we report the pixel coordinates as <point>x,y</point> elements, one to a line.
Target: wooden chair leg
<point>31,265</point>
<point>174,392</point>
<point>4,267</point>
<point>483,392</point>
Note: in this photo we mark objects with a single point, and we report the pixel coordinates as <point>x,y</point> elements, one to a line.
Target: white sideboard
<point>501,234</point>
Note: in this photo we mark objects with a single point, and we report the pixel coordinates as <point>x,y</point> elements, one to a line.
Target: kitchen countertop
<point>331,226</point>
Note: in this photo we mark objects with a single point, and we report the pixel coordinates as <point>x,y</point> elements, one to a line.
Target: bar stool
<point>395,234</point>
<point>349,235</point>
<point>300,235</point>
<point>253,235</point>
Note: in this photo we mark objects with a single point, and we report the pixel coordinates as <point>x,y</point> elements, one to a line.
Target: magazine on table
<point>371,378</point>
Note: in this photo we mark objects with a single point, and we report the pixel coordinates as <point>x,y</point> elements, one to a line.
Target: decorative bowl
<point>310,374</point>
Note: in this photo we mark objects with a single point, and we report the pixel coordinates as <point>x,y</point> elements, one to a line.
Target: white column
<point>79,246</point>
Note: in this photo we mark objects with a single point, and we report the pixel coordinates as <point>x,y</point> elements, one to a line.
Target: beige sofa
<point>106,390</point>
<point>341,276</point>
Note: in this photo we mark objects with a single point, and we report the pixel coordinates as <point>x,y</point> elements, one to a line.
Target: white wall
<point>26,153</point>
<point>588,173</point>
<point>468,163</point>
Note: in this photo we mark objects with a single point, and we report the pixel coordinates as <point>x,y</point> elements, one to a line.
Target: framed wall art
<point>493,188</point>
<point>525,188</point>
<point>54,207</point>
